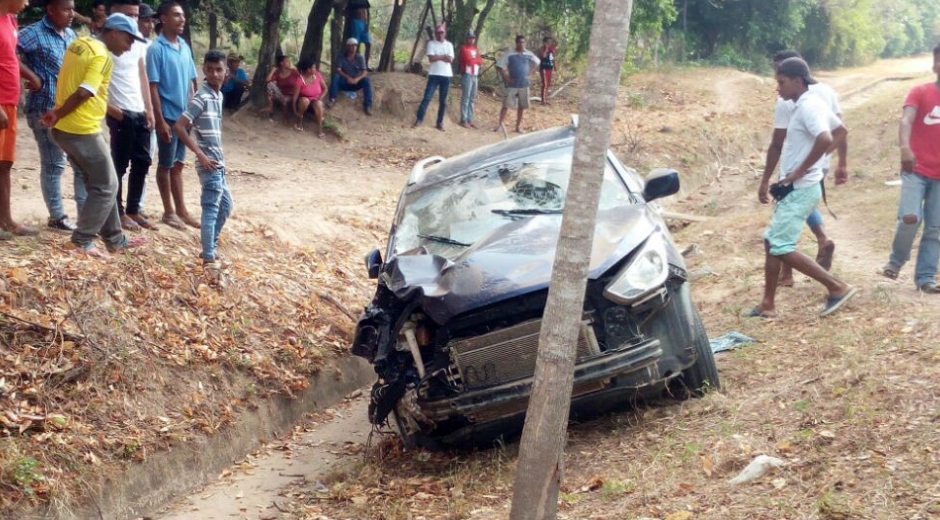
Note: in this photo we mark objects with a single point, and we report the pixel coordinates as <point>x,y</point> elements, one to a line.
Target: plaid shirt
<point>42,49</point>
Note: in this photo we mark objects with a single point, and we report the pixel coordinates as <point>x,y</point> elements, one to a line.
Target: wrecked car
<point>453,328</point>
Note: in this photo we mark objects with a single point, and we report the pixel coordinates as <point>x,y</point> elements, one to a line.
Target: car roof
<point>473,160</point>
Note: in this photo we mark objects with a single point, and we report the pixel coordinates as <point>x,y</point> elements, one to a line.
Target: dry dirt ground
<point>848,403</point>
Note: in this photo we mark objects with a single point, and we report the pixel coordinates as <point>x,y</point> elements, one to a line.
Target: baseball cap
<point>352,41</point>
<point>470,34</point>
<point>795,68</point>
<point>234,56</point>
<point>146,12</point>
<point>122,22</point>
<point>440,28</point>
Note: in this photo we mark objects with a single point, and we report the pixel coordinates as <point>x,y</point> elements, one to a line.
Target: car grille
<point>508,354</point>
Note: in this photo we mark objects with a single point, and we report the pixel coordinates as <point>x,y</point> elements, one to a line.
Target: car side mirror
<point>374,263</point>
<point>661,182</point>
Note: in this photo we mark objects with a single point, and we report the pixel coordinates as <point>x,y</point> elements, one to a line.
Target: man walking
<point>350,75</point>
<point>9,98</point>
<point>470,62</point>
<point>172,74</point>
<point>811,132</point>
<point>514,68</point>
<point>440,54</point>
<point>204,113</point>
<point>81,105</point>
<point>41,47</point>
<point>918,136</point>
<point>782,112</point>
<point>130,121</point>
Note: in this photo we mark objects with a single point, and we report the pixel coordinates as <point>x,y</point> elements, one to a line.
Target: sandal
<point>889,272</point>
<point>22,230</point>
<point>90,250</point>
<point>757,313</point>
<point>129,224</point>
<point>128,243</point>
<point>834,303</point>
<point>173,221</point>
<point>143,222</point>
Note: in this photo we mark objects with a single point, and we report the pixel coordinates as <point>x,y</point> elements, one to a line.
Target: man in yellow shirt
<point>80,106</point>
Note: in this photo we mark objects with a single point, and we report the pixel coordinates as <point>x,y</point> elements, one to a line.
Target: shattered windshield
<point>446,218</point>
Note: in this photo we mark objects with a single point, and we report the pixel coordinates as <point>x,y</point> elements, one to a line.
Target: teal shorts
<point>789,217</point>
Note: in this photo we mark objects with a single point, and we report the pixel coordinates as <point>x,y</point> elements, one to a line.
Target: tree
<point>541,451</point>
<point>316,22</point>
<point>270,41</point>
<point>387,60</point>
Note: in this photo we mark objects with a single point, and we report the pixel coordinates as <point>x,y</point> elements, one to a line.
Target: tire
<point>679,325</point>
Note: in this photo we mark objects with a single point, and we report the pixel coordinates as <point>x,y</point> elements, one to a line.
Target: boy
<point>204,114</point>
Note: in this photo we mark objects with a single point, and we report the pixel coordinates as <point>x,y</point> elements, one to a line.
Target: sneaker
<point>331,103</point>
<point>63,224</point>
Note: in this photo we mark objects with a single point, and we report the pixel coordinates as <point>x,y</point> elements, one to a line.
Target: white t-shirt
<point>784,108</point>
<point>440,68</point>
<point>810,117</point>
<point>124,91</point>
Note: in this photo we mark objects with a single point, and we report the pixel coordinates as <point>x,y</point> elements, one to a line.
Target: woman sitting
<point>307,93</point>
<point>282,81</point>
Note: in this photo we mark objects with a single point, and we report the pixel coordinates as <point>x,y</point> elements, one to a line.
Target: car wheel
<point>679,324</point>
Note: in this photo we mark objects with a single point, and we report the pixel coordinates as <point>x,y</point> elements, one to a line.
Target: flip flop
<point>22,230</point>
<point>129,243</point>
<point>824,255</point>
<point>757,313</point>
<point>173,221</point>
<point>834,303</point>
<point>89,250</point>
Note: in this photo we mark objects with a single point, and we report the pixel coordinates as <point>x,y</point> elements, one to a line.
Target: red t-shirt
<point>288,84</point>
<point>470,60</point>
<point>312,90</point>
<point>925,133</point>
<point>9,65</point>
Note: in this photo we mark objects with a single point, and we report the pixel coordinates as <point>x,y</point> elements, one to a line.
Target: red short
<point>8,135</point>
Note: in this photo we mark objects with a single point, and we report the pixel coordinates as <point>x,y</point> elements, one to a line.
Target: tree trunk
<point>213,23</point>
<point>414,50</point>
<point>482,18</point>
<point>338,29</point>
<point>541,450</point>
<point>270,41</point>
<point>316,23</point>
<point>387,60</point>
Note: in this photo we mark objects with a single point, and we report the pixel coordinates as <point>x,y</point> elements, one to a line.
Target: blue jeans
<point>216,202</point>
<point>51,165</point>
<point>920,197</point>
<point>434,82</point>
<point>338,83</point>
<point>468,94</point>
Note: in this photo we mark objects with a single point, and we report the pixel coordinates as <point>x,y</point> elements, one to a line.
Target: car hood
<point>515,259</point>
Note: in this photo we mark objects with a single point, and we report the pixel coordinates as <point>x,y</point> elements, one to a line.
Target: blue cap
<point>122,22</point>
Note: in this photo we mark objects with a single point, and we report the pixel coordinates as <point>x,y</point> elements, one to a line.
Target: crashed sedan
<point>453,328</point>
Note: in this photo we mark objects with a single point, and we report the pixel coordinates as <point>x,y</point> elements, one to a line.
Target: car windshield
<point>448,217</point>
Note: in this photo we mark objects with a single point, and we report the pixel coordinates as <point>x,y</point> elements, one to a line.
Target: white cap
<point>352,41</point>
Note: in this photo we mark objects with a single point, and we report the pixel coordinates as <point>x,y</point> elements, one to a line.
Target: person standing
<point>130,121</point>
<point>204,114</point>
<point>918,138</point>
<point>441,54</point>
<point>359,26</point>
<point>782,111</point>
<point>350,75</point>
<point>81,105</point>
<point>812,131</point>
<point>145,22</point>
<point>172,74</point>
<point>9,99</point>
<point>469,62</point>
<point>514,69</point>
<point>546,66</point>
<point>41,47</point>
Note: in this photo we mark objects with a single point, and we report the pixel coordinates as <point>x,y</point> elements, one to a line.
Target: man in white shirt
<point>812,130</point>
<point>130,120</point>
<point>441,54</point>
<point>782,111</point>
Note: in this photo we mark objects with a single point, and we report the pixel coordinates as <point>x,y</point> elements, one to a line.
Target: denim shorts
<point>168,154</point>
<point>789,217</point>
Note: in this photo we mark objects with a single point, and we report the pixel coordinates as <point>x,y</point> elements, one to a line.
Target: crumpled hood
<point>515,259</point>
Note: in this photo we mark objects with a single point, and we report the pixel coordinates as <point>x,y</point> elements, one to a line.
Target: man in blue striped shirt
<point>204,114</point>
<point>41,48</point>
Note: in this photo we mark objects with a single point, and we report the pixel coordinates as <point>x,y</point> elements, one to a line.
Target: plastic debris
<point>729,341</point>
<point>756,469</point>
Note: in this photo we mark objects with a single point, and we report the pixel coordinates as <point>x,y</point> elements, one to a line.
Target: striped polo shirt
<point>205,113</point>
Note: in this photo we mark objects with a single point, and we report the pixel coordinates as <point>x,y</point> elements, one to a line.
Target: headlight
<point>644,274</point>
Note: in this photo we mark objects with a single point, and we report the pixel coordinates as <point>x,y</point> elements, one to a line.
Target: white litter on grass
<point>756,469</point>
<point>895,182</point>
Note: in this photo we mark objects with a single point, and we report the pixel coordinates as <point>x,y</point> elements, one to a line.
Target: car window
<point>449,216</point>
